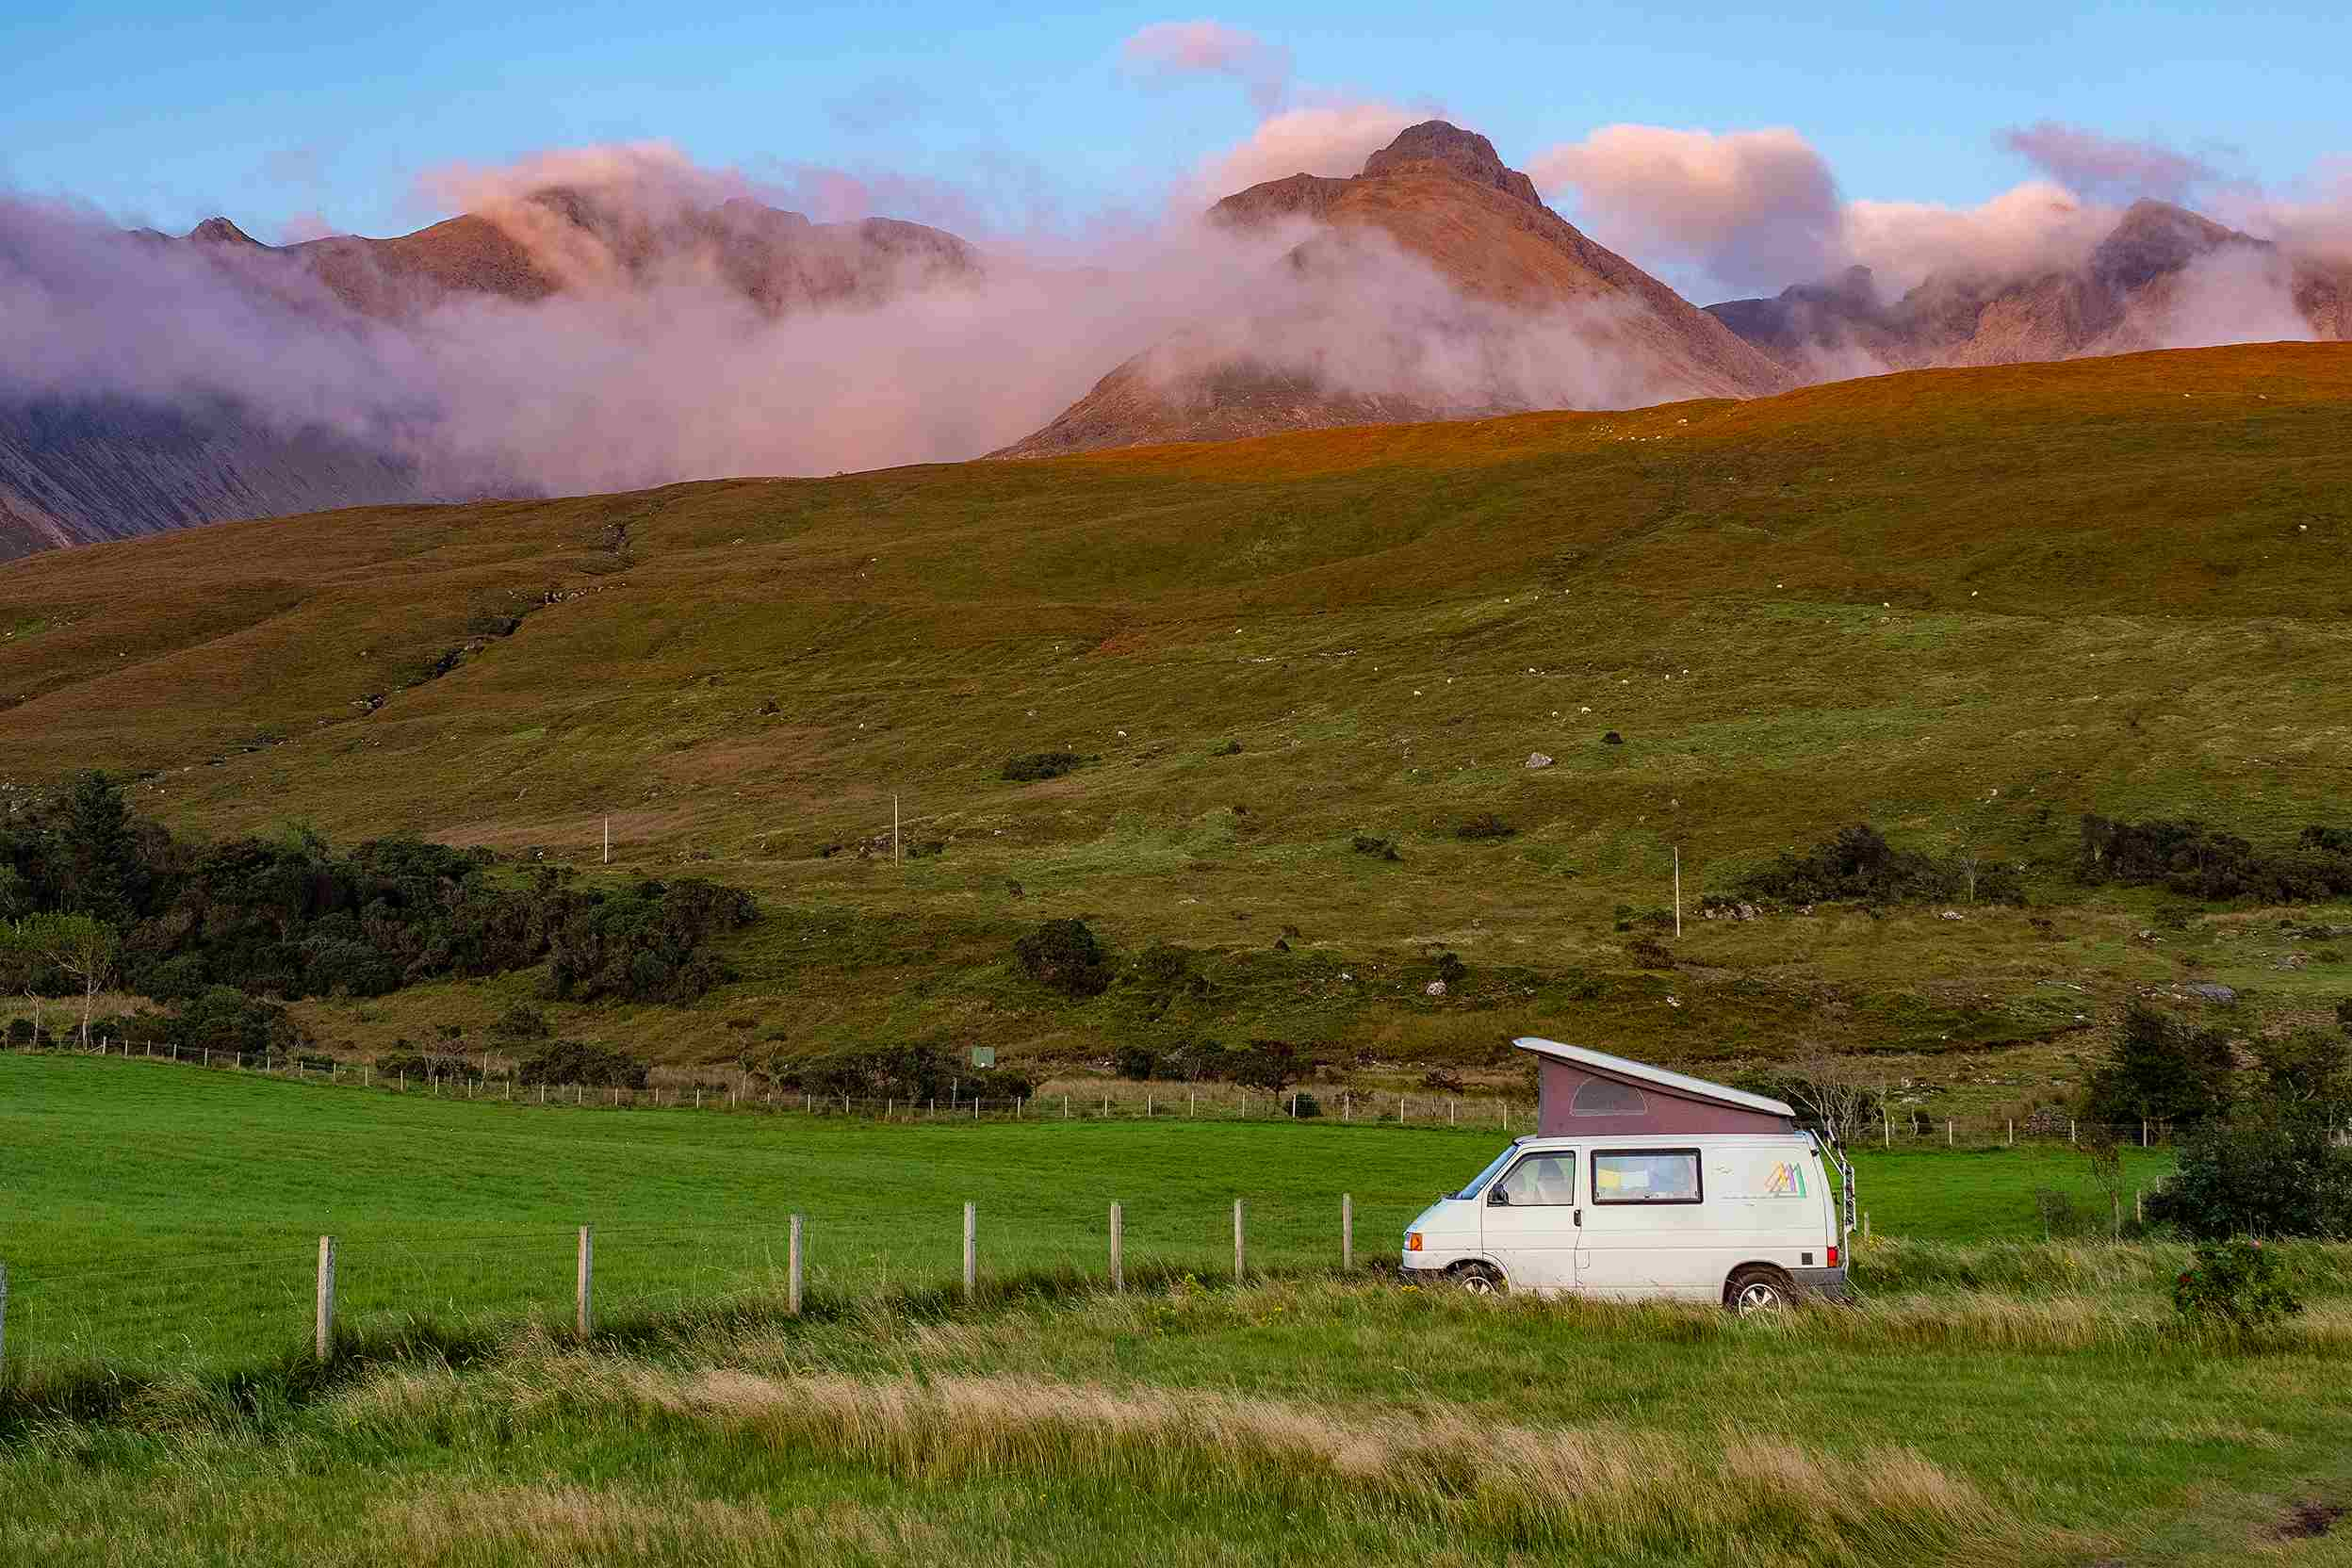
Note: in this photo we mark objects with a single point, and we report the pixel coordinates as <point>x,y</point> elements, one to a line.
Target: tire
<point>1480,1278</point>
<point>1752,1292</point>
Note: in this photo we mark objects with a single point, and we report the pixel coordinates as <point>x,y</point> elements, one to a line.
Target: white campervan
<point>1750,1218</point>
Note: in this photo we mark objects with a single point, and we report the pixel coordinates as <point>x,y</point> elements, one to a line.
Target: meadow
<point>165,1217</point>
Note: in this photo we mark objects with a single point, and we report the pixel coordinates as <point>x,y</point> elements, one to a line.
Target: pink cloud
<point>2109,167</point>
<point>1168,49</point>
<point>1749,208</point>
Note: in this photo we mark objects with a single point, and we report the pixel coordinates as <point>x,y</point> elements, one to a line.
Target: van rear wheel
<point>1480,1278</point>
<point>1751,1291</point>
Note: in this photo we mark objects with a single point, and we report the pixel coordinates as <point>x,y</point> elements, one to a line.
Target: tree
<point>2310,1068</point>
<point>100,867</point>
<point>2275,1171</point>
<point>2163,1070</point>
<point>81,947</point>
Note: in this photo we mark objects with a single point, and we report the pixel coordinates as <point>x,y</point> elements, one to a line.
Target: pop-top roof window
<point>1606,1097</point>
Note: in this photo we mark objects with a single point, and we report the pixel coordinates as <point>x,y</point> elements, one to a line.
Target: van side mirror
<point>1495,1198</point>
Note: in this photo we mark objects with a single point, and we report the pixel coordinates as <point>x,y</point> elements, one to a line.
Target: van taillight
<point>1413,1241</point>
<point>1833,1257</point>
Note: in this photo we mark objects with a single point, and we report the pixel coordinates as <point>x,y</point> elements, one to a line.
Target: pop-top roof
<point>1601,1061</point>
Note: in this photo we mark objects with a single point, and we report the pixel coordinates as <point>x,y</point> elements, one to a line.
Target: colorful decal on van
<point>1787,1181</point>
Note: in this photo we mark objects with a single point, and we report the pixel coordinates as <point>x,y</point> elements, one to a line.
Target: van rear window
<point>1646,1176</point>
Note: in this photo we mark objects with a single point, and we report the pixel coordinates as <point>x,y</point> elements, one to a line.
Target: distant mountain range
<point>1434,285</point>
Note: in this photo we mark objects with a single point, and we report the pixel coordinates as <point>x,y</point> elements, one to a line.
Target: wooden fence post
<point>587,1318</point>
<point>971,1251</point>
<point>2012,1131</point>
<point>1347,1232</point>
<point>326,1298</point>
<point>791,1272</point>
<point>1886,1133</point>
<point>1948,1143</point>
<point>1118,1247</point>
<point>2143,1132</point>
<point>1241,1259</point>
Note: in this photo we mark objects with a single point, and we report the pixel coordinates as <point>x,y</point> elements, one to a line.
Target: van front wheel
<point>1480,1278</point>
<point>1758,1290</point>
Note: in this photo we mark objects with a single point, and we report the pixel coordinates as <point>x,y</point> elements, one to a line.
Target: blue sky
<point>157,114</point>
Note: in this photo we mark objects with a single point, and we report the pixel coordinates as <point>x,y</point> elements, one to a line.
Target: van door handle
<point>1579,1219</point>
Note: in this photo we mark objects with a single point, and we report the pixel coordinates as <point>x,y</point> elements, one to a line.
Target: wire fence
<point>486,1080</point>
<point>195,1310</point>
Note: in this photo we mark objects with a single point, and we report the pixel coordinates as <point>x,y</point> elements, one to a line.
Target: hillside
<point>1965,606</point>
<point>1434,285</point>
<point>2163,277</point>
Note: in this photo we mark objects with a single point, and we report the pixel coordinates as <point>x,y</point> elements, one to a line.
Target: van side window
<point>1602,1097</point>
<point>1646,1176</point>
<point>1540,1179</point>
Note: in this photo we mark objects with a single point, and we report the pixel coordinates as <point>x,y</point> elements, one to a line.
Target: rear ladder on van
<point>1829,1145</point>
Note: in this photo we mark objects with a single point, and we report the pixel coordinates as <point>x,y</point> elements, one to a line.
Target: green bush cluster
<point>1857,865</point>
<point>2235,1285</point>
<point>912,1074</point>
<point>2192,860</point>
<point>292,917</point>
<point>1030,767</point>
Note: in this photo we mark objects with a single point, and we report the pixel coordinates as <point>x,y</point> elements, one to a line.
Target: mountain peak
<point>2156,237</point>
<point>1464,153</point>
<point>220,231</point>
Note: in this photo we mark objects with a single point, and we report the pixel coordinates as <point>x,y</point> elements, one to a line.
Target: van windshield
<point>1471,1188</point>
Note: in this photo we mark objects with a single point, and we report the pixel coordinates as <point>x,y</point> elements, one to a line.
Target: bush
<point>2235,1285</point>
<point>1137,1062</point>
<point>579,1062</point>
<point>2193,860</point>
<point>2161,1069</point>
<point>2267,1173</point>
<point>1033,766</point>
<point>1304,1105</point>
<point>225,1018</point>
<point>1857,865</point>
<point>522,1021</point>
<point>1272,1065</point>
<point>1379,849</point>
<point>1438,1081</point>
<point>1484,826</point>
<point>1063,955</point>
<point>1199,1061</point>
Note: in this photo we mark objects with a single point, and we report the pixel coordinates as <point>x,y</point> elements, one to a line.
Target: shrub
<point>1197,1061</point>
<point>522,1021</point>
<point>1856,864</point>
<point>1451,970</point>
<point>1304,1105</point>
<point>1439,1081</point>
<point>225,1018</point>
<point>1379,849</point>
<point>2161,1069</point>
<point>1033,766</point>
<point>2235,1285</point>
<point>1063,955</point>
<point>1484,826</point>
<point>1272,1065</point>
<point>2268,1173</point>
<point>1137,1062</point>
<point>2193,860</point>
<point>580,1062</point>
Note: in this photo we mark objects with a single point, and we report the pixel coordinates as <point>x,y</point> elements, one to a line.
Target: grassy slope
<point>1959,604</point>
<point>163,1215</point>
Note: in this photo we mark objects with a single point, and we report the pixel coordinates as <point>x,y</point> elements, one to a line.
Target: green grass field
<point>1994,1398</point>
<point>165,1216</point>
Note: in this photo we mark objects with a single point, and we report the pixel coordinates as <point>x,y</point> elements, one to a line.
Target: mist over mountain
<point>2163,277</point>
<point>1434,284</point>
